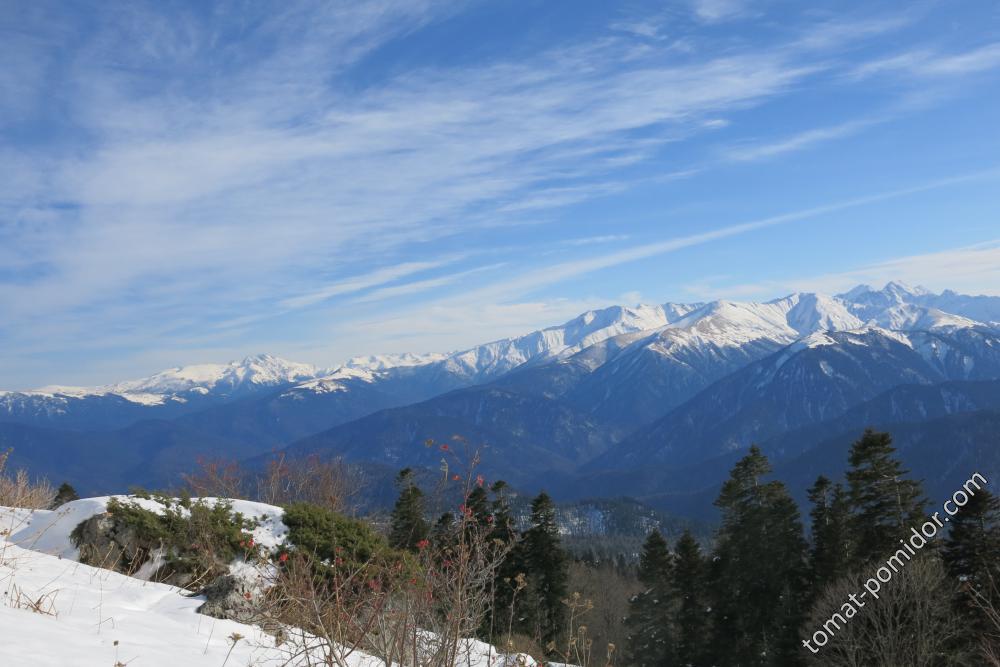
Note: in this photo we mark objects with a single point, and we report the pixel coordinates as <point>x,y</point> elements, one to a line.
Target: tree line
<point>765,595</point>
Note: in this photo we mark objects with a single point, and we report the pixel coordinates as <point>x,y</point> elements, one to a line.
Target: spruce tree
<point>477,507</point>
<point>759,570</point>
<point>649,621</point>
<point>970,556</point>
<point>408,528</point>
<point>546,565</point>
<point>502,531</point>
<point>884,503</point>
<point>64,494</point>
<point>829,556</point>
<point>689,587</point>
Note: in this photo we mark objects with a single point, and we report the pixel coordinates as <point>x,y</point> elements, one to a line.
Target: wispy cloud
<point>359,283</point>
<point>712,11</point>
<point>929,63</point>
<point>802,140</point>
<point>209,173</point>
<point>970,269</point>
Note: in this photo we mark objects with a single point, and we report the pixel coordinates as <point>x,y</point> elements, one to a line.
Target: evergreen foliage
<point>542,558</point>
<point>408,527</point>
<point>651,612</point>
<point>830,554</point>
<point>971,553</point>
<point>64,494</point>
<point>759,570</point>
<point>331,536</point>
<point>689,587</point>
<point>884,503</point>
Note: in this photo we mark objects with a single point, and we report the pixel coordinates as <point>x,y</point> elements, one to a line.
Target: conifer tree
<point>829,556</point>
<point>546,565</point>
<point>64,494</point>
<point>503,522</point>
<point>759,570</point>
<point>883,502</point>
<point>506,580</point>
<point>689,587</point>
<point>407,524</point>
<point>971,553</point>
<point>649,621</point>
<point>477,506</point>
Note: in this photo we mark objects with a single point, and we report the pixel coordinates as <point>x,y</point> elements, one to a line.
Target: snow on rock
<point>56,612</point>
<point>48,531</point>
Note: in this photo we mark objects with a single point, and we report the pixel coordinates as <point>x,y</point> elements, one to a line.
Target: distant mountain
<point>899,306</point>
<point>623,399</point>
<point>514,436</point>
<point>812,380</point>
<point>167,394</point>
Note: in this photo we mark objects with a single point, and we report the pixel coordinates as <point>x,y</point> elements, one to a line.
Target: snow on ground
<point>56,612</point>
<point>48,531</point>
<point>94,617</point>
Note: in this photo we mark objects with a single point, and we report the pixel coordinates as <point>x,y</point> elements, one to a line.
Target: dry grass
<point>17,489</point>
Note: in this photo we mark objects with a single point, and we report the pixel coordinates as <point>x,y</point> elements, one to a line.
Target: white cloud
<point>971,269</point>
<point>359,283</point>
<point>712,11</point>
<point>927,63</point>
<point>248,182</point>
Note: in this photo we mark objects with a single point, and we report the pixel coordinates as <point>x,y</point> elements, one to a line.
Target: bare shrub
<point>403,608</point>
<point>610,593</point>
<point>984,600</point>
<point>326,483</point>
<point>17,489</point>
<point>912,622</point>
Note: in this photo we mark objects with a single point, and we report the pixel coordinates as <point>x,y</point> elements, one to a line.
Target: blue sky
<point>193,181</point>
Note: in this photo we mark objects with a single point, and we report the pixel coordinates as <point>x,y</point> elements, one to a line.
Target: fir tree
<point>649,621</point>
<point>970,555</point>
<point>546,565</point>
<point>477,507</point>
<point>408,528</point>
<point>759,570</point>
<point>505,583</point>
<point>883,502</point>
<point>64,494</point>
<point>689,587</point>
<point>829,556</point>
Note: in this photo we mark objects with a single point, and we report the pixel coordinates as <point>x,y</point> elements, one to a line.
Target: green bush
<point>331,536</point>
<point>198,541</point>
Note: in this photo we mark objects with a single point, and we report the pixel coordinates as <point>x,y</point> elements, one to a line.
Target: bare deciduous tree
<point>327,483</point>
<point>911,623</point>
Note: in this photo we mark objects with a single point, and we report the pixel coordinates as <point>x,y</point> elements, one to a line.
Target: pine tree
<point>506,581</point>
<point>408,528</point>
<point>689,587</point>
<point>830,515</point>
<point>883,502</point>
<point>64,494</point>
<point>546,565</point>
<point>477,507</point>
<point>649,621</point>
<point>970,555</point>
<point>759,570</point>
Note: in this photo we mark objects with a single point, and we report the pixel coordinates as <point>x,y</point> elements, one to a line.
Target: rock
<point>232,598</point>
<point>105,542</point>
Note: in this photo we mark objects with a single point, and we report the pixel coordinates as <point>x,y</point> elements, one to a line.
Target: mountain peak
<point>901,289</point>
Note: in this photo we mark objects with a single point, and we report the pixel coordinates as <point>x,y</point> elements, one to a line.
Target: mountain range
<point>651,401</point>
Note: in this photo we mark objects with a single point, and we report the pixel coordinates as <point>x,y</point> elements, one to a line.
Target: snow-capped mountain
<point>814,379</point>
<point>169,393</point>
<point>606,373</point>
<point>175,384</point>
<point>899,306</point>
